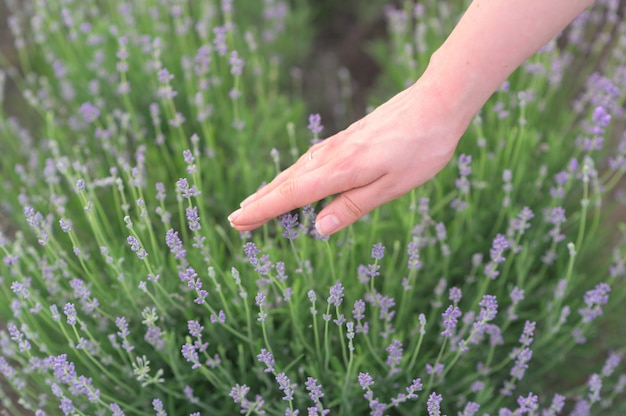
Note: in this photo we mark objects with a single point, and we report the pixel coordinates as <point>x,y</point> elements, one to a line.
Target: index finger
<point>299,186</point>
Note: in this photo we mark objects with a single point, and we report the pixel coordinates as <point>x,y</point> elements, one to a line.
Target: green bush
<point>124,291</point>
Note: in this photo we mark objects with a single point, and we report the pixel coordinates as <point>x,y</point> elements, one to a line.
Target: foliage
<point>124,291</point>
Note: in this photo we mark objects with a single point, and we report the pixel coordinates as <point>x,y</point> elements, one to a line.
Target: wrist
<point>454,94</point>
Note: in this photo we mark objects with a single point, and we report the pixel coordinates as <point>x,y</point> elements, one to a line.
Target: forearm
<point>490,41</point>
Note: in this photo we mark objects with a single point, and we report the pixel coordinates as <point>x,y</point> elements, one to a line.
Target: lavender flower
<point>455,295</point>
<point>193,220</point>
<point>289,223</point>
<point>285,385</point>
<point>336,294</point>
<point>470,409</point>
<point>395,354</point>
<point>365,380</point>
<point>314,389</point>
<point>315,125</point>
<point>191,355</point>
<point>414,258</point>
<point>594,299</point>
<point>89,112</point>
<point>558,402</point>
<point>521,363</point>
<point>175,244</point>
<point>433,404</point>
<point>236,64</point>
<point>611,364</point>
<point>595,385</point>
<point>70,313</point>
<point>359,310</point>
<point>135,246</point>
<point>489,308</point>
<point>195,329</point>
<point>266,358</point>
<point>378,251</point>
<point>450,319</point>
<point>527,405</point>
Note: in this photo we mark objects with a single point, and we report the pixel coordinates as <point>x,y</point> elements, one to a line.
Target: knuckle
<point>351,209</point>
<point>289,190</point>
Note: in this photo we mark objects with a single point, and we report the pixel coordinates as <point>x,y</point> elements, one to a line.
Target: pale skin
<point>410,138</point>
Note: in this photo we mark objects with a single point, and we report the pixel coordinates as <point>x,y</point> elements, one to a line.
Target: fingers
<point>291,191</point>
<point>308,161</point>
<point>351,205</point>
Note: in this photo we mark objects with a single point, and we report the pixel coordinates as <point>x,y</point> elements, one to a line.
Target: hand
<point>399,146</point>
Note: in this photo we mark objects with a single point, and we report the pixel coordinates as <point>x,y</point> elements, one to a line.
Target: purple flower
<point>464,162</point>
<point>220,39</point>
<point>195,329</point>
<point>289,223</point>
<point>236,64</point>
<point>499,245</point>
<point>471,409</point>
<point>66,225</point>
<point>284,384</point>
<point>80,185</point>
<point>315,124</point>
<point>193,219</point>
<point>601,119</point>
<point>157,405</point>
<point>66,406</point>
<point>455,294</point>
<point>440,230</point>
<point>191,355</point>
<point>70,313</point>
<point>239,393</point>
<point>558,402</point>
<point>594,299</point>
<point>378,251</point>
<point>336,294</point>
<point>477,386</point>
<point>437,369</point>
<point>164,76</point>
<point>611,364</point>
<point>433,404</point>
<point>527,404</point>
<point>135,246</point>
<point>266,358</point>
<point>527,335</point>
<point>595,385</point>
<point>18,337</point>
<point>520,224</point>
<point>175,244</point>
<point>521,363</point>
<point>314,389</point>
<point>359,310</point>
<point>186,190</point>
<point>517,295</point>
<point>414,258</point>
<point>581,408</point>
<point>122,325</point>
<point>89,112</point>
<point>489,308</point>
<point>365,380</point>
<point>395,353</point>
<point>450,319</point>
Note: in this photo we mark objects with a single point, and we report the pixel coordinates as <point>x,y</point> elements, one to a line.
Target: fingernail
<point>248,200</point>
<point>327,224</point>
<point>232,217</point>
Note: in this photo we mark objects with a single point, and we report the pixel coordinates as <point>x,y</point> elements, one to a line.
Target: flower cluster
<point>124,291</point>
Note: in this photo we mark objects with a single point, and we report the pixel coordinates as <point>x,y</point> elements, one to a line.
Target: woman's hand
<point>399,146</point>
<point>410,138</point>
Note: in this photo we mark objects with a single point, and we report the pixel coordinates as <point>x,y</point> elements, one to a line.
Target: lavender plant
<point>123,291</point>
